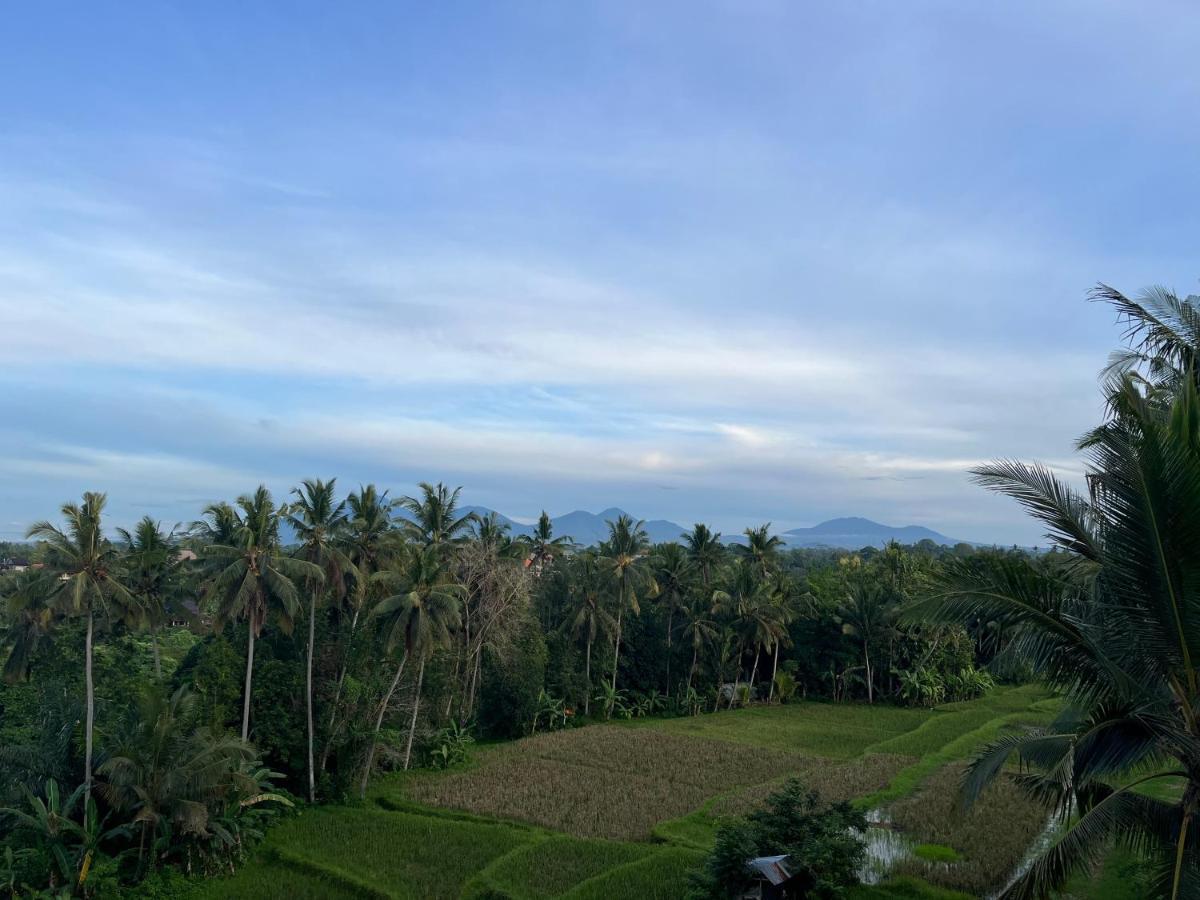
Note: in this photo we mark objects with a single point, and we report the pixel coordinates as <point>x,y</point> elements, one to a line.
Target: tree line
<point>389,632</point>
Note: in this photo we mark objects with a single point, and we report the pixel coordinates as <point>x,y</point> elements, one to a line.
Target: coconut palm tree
<point>543,546</point>
<point>699,630</point>
<point>33,611</point>
<point>369,540</point>
<point>83,577</point>
<point>417,617</point>
<point>866,614</point>
<point>318,519</point>
<point>433,519</point>
<point>253,578</point>
<point>706,552</point>
<point>587,616</point>
<point>747,606</point>
<point>152,563</point>
<point>673,572</point>
<point>1111,619</point>
<point>172,778</point>
<point>625,556</point>
<point>762,547</point>
<point>493,535</point>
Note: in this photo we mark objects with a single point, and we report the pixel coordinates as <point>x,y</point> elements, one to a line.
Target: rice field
<point>627,810</point>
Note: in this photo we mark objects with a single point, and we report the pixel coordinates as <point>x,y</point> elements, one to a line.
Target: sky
<point>730,262</point>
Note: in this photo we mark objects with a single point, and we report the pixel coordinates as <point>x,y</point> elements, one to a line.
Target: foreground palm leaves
<point>1111,618</point>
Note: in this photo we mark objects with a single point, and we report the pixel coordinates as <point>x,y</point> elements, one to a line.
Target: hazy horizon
<point>730,263</point>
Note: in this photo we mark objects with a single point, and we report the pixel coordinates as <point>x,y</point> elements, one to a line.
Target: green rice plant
<point>276,880</point>
<point>904,888</point>
<point>992,836</point>
<point>839,731</point>
<point>552,866</point>
<point>399,854</point>
<point>663,875</point>
<point>936,853</point>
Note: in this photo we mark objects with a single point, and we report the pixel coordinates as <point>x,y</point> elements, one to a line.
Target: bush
<point>824,843</point>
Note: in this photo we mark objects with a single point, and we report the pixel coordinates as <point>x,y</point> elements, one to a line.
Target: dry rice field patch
<point>604,781</point>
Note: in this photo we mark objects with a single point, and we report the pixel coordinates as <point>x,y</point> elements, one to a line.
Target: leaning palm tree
<point>253,578</point>
<point>152,564</point>
<point>318,518</point>
<point>587,617</point>
<point>625,554</point>
<point>543,545</point>
<point>417,618</point>
<point>1111,619</point>
<point>83,577</point>
<point>673,572</point>
<point>706,552</point>
<point>432,519</point>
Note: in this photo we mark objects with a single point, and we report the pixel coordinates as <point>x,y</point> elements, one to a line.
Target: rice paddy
<point>627,810</point>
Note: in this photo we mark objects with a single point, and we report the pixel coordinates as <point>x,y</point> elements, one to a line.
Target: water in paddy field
<point>885,847</point>
<point>1040,843</point>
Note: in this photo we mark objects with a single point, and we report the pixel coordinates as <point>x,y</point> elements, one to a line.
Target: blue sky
<point>730,262</point>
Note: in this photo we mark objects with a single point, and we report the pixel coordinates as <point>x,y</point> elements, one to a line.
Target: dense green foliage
<point>823,844</point>
<point>1112,619</point>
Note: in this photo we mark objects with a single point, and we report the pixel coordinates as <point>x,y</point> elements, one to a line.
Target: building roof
<point>773,868</point>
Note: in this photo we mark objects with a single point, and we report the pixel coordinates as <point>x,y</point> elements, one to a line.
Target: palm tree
<point>672,571</point>
<point>698,630</point>
<point>866,614</point>
<point>369,541</point>
<point>1111,618</point>
<point>493,535</point>
<point>625,557</point>
<point>318,519</point>
<point>543,546</point>
<point>151,563</point>
<point>762,547</point>
<point>706,552</point>
<point>32,613</point>
<point>83,577</point>
<point>253,578</point>
<point>747,605</point>
<point>433,518</point>
<point>418,617</point>
<point>588,617</point>
<point>173,778</point>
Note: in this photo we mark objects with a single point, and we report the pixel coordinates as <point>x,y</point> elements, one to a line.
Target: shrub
<point>824,842</point>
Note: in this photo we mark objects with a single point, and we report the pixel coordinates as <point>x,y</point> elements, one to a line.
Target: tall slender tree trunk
<point>412,725</point>
<point>616,656</point>
<point>774,672</point>
<point>870,685</point>
<point>737,674</point>
<point>754,671</point>
<point>670,622</point>
<point>249,679</point>
<point>692,670</point>
<point>453,678</point>
<point>387,698</point>
<point>91,711</point>
<point>337,692</point>
<point>157,655</point>
<point>587,677</point>
<point>312,632</point>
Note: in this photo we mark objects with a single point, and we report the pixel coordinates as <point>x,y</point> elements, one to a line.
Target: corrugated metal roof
<point>772,868</point>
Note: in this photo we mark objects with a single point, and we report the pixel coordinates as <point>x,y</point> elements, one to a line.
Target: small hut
<point>772,878</point>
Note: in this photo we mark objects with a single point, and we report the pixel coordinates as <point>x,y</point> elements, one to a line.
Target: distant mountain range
<point>851,533</point>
